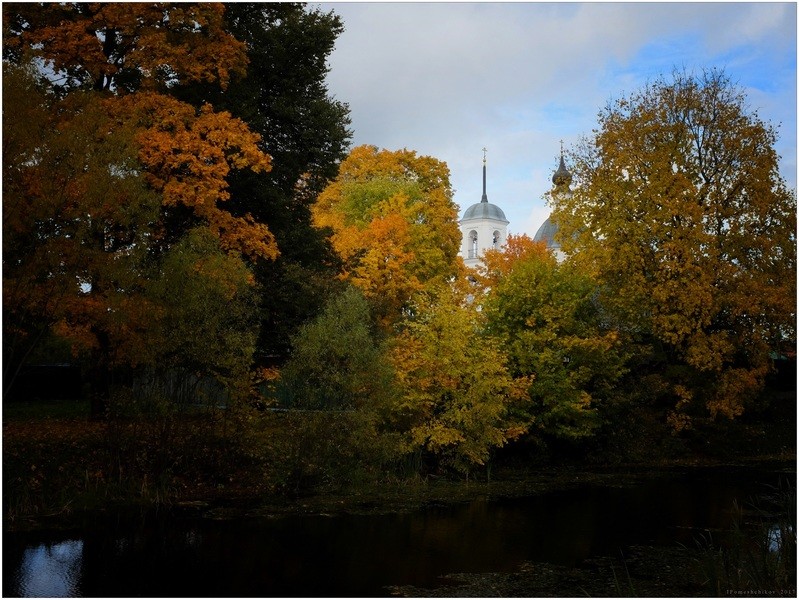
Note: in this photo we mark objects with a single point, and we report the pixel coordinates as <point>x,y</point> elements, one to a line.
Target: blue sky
<point>447,79</point>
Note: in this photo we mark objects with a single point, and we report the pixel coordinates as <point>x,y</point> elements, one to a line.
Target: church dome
<point>562,176</point>
<point>546,233</point>
<point>484,210</point>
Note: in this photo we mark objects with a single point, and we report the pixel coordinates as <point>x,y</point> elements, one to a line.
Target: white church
<point>484,225</point>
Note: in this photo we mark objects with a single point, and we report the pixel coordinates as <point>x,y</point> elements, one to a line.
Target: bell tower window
<point>472,244</point>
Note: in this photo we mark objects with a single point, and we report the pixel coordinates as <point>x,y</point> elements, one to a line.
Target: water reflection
<point>775,537</point>
<point>51,570</point>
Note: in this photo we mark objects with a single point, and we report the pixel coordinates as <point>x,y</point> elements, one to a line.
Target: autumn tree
<point>681,214</point>
<point>130,56</point>
<point>124,48</point>
<point>546,317</point>
<point>136,53</point>
<point>456,391</point>
<point>393,223</point>
<point>497,263</point>
<point>78,218</point>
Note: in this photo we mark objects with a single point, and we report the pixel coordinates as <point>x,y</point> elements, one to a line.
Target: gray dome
<point>484,210</point>
<point>546,233</point>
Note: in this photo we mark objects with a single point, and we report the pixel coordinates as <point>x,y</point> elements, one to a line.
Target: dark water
<point>360,555</point>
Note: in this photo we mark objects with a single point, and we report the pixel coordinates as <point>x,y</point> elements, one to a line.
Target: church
<point>484,225</point>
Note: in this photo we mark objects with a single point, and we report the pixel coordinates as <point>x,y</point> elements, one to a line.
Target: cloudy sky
<point>447,79</point>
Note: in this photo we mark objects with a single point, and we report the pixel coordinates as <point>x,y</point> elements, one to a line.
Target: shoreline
<point>399,496</point>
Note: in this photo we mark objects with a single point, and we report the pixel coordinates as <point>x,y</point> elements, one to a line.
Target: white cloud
<point>446,79</point>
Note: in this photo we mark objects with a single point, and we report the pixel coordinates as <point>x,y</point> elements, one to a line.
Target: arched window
<point>497,239</point>
<point>472,244</point>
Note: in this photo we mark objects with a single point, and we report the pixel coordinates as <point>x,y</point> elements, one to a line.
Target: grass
<point>757,556</point>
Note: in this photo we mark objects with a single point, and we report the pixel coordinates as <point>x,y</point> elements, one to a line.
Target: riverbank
<point>65,475</point>
<point>59,468</point>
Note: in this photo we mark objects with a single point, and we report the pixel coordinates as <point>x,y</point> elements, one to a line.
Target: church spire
<point>485,196</point>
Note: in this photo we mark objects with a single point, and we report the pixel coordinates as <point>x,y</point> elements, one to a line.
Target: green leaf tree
<point>337,363</point>
<point>205,324</point>
<point>546,317</point>
<point>680,212</point>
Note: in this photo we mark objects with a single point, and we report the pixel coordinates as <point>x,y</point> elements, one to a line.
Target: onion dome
<point>562,176</point>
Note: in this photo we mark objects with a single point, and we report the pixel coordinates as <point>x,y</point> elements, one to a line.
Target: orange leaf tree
<point>393,223</point>
<point>131,56</point>
<point>681,214</point>
<point>137,53</point>
<point>78,220</point>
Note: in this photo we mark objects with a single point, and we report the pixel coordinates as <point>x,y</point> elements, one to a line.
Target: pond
<point>359,555</point>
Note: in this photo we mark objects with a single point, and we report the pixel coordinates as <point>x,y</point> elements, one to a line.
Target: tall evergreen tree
<point>306,132</point>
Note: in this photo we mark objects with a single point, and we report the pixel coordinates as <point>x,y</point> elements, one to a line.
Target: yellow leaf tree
<point>456,392</point>
<point>680,212</point>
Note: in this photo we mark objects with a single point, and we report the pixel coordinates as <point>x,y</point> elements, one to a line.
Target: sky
<point>449,79</point>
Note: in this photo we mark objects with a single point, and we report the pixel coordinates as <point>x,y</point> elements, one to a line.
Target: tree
<point>337,364</point>
<point>122,61</point>
<point>456,390</point>
<point>546,317</point>
<point>124,48</point>
<point>135,54</point>
<point>205,322</point>
<point>305,131</point>
<point>499,262</point>
<point>681,214</point>
<point>78,218</point>
<point>394,225</point>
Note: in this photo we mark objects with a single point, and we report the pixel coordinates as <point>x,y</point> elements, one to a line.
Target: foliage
<point>680,213</point>
<point>394,225</point>
<point>546,317</point>
<point>142,170</point>
<point>497,263</point>
<point>124,47</point>
<point>304,130</point>
<point>77,220</point>
<point>187,156</point>
<point>456,391</point>
<point>302,451</point>
<point>137,53</point>
<point>208,312</point>
<point>337,364</point>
